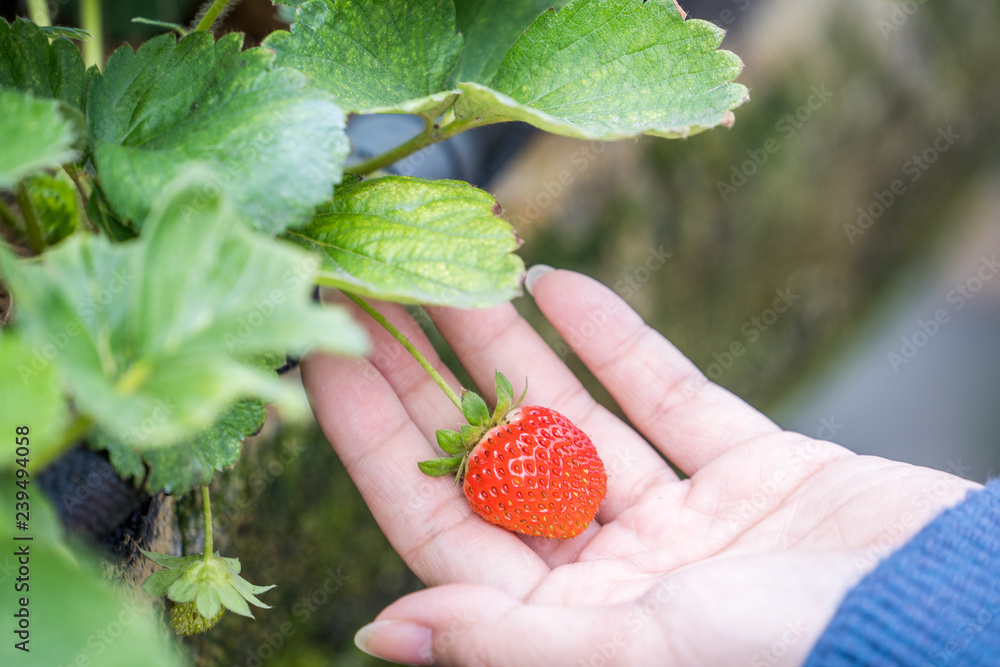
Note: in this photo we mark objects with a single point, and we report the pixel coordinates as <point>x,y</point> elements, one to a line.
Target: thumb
<point>465,624</point>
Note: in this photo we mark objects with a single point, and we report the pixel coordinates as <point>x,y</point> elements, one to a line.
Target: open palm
<point>743,562</point>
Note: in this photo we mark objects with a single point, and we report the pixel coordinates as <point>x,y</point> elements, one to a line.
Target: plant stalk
<point>161,24</point>
<point>38,10</point>
<point>84,189</point>
<point>206,505</point>
<point>31,227</point>
<point>431,135</point>
<point>213,12</point>
<point>90,20</point>
<point>409,346</point>
<point>415,144</point>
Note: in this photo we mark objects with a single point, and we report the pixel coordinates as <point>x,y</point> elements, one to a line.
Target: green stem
<point>206,505</point>
<point>77,177</point>
<point>31,227</point>
<point>208,19</point>
<point>415,144</point>
<point>38,10</point>
<point>431,135</point>
<point>90,20</point>
<point>410,347</point>
<point>179,29</point>
<point>84,187</point>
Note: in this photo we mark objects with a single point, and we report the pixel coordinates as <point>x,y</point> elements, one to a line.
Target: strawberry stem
<point>431,135</point>
<point>206,505</point>
<point>211,15</point>
<point>410,347</point>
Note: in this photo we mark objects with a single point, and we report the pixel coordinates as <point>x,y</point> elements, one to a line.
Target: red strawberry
<point>529,470</point>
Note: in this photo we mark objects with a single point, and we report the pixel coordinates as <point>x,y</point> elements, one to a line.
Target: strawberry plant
<point>168,211</point>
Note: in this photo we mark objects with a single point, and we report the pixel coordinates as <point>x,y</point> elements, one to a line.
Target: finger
<point>690,419</point>
<point>477,625</point>
<point>427,405</point>
<point>425,519</point>
<point>499,338</point>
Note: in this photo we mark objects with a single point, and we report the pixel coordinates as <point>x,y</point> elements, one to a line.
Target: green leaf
<point>596,69</point>
<point>76,617</point>
<point>55,203</point>
<point>160,581</point>
<point>504,387</point>
<point>489,28</point>
<point>29,62</point>
<point>505,396</point>
<point>66,31</point>
<point>474,408</point>
<point>450,442</point>
<point>410,240</point>
<point>193,461</point>
<point>233,601</point>
<point>208,601</point>
<point>155,334</point>
<point>232,563</point>
<point>470,434</point>
<point>167,560</point>
<point>183,589</point>
<point>440,467</point>
<point>249,591</point>
<point>99,212</point>
<point>34,135</point>
<point>375,56</point>
<point>610,69</point>
<point>31,397</point>
<point>274,144</point>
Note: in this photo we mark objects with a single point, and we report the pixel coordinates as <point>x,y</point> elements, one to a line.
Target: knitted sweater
<point>934,602</point>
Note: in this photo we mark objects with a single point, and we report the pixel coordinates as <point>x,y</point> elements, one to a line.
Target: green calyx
<point>206,584</point>
<point>458,444</point>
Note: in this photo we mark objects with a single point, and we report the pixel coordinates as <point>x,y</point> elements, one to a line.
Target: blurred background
<point>832,259</point>
<point>832,255</point>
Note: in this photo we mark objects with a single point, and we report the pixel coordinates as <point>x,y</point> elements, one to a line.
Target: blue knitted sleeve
<point>935,602</point>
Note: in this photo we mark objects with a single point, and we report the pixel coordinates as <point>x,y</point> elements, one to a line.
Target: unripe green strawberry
<point>202,587</point>
<point>529,470</point>
<point>186,620</point>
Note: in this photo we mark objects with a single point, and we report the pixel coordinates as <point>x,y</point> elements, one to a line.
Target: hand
<point>743,562</point>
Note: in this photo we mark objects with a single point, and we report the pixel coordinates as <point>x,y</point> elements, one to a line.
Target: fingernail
<point>396,641</point>
<point>534,273</point>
